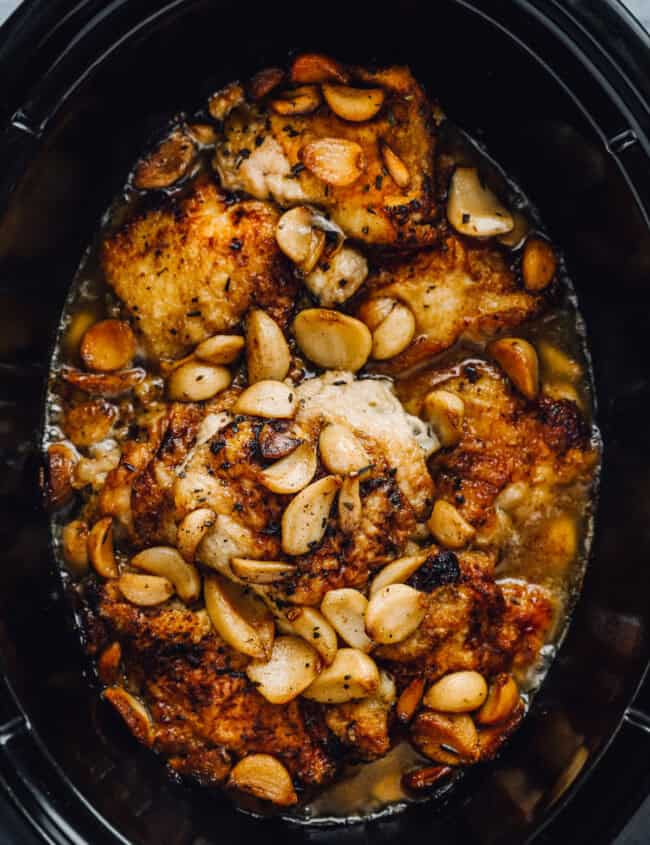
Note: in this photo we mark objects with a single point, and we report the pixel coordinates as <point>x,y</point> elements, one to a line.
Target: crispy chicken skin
<point>260,154</point>
<point>200,701</point>
<point>460,291</point>
<point>193,268</point>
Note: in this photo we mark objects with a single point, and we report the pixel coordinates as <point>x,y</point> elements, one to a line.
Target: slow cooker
<point>559,92</point>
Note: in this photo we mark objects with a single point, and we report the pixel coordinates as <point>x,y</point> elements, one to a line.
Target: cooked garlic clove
<point>90,422</point>
<point>239,617</point>
<point>501,700</point>
<point>458,692</point>
<point>108,346</point>
<point>74,540</point>
<point>354,104</point>
<point>423,780</point>
<point>350,507</point>
<point>315,67</point>
<point>224,101</point>
<point>276,443</point>
<point>449,527</point>
<point>339,278</point>
<point>518,359</point>
<point>264,777</point>
<point>203,134</point>
<point>134,713</point>
<point>449,738</point>
<point>264,82</point>
<point>394,333</point>
<point>352,675</point>
<point>227,539</point>
<point>345,610</point>
<point>337,161</point>
<point>197,382</point>
<point>261,571</point>
<point>556,363</point>
<point>168,163</point>
<point>293,473</point>
<point>220,349</point>
<point>301,100</point>
<point>145,590</point>
<point>268,398</point>
<point>305,519</point>
<point>395,166</point>
<point>100,548</point>
<point>374,311</point>
<point>387,691</point>
<point>108,664</point>
<point>394,612</point>
<point>409,700</point>
<point>61,462</point>
<point>104,384</point>
<point>341,451</point>
<point>332,340</point>
<point>516,235</point>
<point>473,209</point>
<point>290,669</point>
<point>445,411</point>
<point>165,561</point>
<point>311,625</point>
<point>538,264</point>
<point>299,238</point>
<point>192,530</point>
<point>267,351</point>
<point>397,572</point>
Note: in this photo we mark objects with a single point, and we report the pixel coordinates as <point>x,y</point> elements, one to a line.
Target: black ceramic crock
<point>559,93</point>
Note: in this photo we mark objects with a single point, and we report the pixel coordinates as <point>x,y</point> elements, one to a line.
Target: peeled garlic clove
<point>449,738</point>
<point>203,134</point>
<point>293,473</point>
<point>352,675</point>
<point>305,519</point>
<point>264,82</point>
<point>168,163</point>
<point>290,669</point>
<point>448,526</point>
<point>108,346</point>
<point>311,625</point>
<point>267,351</point>
<point>264,777</point>
<point>268,398</point>
<point>518,359</point>
<point>74,540</point>
<point>345,610</point>
<point>458,692</point>
<point>395,166</point>
<point>192,530</point>
<point>315,67</point>
<point>394,612</point>
<point>302,100</point>
<point>409,700</point>
<point>277,442</point>
<point>239,617</point>
<point>104,384</point>
<point>165,561</point>
<point>394,333</point>
<point>336,161</point>
<point>134,713</point>
<point>445,411</point>
<point>354,104</point>
<point>224,101</point>
<point>299,238</point>
<point>473,209</point>
<point>261,571</point>
<point>332,340</point>
<point>350,507</point>
<point>145,590</point>
<point>197,382</point>
<point>502,698</point>
<point>341,451</point>
<point>339,278</point>
<point>397,572</point>
<point>516,235</point>
<point>100,548</point>
<point>108,664</point>
<point>538,264</point>
<point>374,311</point>
<point>228,539</point>
<point>90,422</point>
<point>220,349</point>
<point>61,462</point>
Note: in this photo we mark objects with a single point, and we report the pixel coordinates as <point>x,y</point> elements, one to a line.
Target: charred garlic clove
<point>518,359</point>
<point>354,104</point>
<point>301,100</point>
<point>473,209</point>
<point>332,340</point>
<point>336,161</point>
<point>267,351</point>
<point>134,713</point>
<point>264,82</point>
<point>339,277</point>
<point>290,669</point>
<point>61,462</point>
<point>168,163</point>
<point>315,67</point>
<point>264,777</point>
